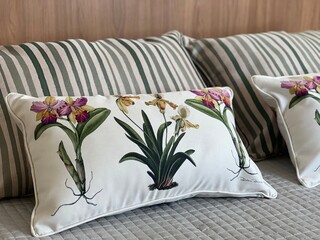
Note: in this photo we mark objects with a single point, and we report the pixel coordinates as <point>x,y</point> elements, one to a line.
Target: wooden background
<point>50,20</point>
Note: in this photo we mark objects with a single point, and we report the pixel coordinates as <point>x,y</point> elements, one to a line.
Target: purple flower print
<point>47,110</point>
<point>76,110</point>
<point>75,113</point>
<point>296,87</point>
<point>217,102</point>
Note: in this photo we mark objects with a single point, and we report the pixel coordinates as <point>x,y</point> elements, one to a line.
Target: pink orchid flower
<point>209,99</point>
<point>76,110</point>
<point>313,83</point>
<point>47,110</point>
<point>221,95</point>
<point>296,87</point>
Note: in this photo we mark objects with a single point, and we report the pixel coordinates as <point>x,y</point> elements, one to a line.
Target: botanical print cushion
<point>78,67</point>
<point>297,102</point>
<point>231,61</point>
<point>98,156</point>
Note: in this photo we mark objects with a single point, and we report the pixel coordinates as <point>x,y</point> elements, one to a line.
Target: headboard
<point>52,20</point>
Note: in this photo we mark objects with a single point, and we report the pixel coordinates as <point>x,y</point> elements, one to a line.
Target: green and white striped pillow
<point>77,67</point>
<point>233,60</point>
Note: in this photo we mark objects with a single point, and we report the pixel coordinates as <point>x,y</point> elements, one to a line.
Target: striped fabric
<point>233,60</point>
<point>77,67</point>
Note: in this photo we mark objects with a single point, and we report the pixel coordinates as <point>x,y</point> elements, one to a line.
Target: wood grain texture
<point>52,20</point>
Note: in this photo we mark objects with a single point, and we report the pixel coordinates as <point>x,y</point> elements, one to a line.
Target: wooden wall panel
<point>50,20</point>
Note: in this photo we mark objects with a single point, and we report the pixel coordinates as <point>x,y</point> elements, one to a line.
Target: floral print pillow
<point>98,156</point>
<point>297,102</point>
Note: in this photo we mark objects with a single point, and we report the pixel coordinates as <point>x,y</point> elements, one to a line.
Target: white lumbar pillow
<point>296,100</point>
<point>98,156</point>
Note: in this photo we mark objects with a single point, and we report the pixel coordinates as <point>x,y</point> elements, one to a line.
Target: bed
<point>294,214</point>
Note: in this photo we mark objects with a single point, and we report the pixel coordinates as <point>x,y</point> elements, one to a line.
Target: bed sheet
<point>295,214</point>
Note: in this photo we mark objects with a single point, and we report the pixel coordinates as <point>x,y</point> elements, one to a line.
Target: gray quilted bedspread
<point>295,214</point>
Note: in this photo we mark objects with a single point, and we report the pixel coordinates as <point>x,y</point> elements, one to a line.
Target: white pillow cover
<point>297,102</point>
<point>81,151</point>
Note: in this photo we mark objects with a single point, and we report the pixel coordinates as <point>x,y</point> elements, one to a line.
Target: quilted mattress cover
<point>295,214</point>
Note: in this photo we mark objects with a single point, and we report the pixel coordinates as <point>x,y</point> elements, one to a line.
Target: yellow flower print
<point>126,101</point>
<point>184,112</point>
<point>161,103</point>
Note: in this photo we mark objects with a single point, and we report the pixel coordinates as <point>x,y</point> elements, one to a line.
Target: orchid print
<point>77,120</point>
<point>309,87</point>
<point>158,151</point>
<point>182,123</point>
<point>302,89</point>
<point>215,102</point>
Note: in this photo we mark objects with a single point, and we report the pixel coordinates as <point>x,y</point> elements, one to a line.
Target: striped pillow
<point>77,67</point>
<point>233,60</point>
